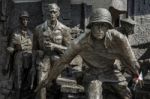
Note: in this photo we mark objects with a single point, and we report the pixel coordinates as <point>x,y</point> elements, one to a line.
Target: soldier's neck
<point>52,24</point>
<point>24,30</point>
<point>97,40</point>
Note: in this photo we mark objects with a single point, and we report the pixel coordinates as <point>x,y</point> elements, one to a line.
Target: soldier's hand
<point>49,45</point>
<point>138,80</point>
<point>52,46</point>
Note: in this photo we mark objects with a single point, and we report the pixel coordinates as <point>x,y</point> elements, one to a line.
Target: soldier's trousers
<point>96,80</point>
<point>95,88</point>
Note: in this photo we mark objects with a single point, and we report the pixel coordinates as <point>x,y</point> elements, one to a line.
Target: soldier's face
<point>99,29</point>
<point>53,15</point>
<point>24,21</point>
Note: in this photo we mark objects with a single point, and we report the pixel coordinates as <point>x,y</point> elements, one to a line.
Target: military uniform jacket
<point>100,55</point>
<point>22,58</point>
<point>44,35</point>
<point>22,45</point>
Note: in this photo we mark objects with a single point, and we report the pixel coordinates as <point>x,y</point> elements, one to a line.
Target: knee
<point>95,87</point>
<point>95,90</point>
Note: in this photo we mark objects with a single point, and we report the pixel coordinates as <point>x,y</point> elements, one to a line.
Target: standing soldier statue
<point>99,49</point>
<point>50,41</point>
<point>20,46</point>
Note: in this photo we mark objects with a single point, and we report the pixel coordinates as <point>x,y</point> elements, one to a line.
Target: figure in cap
<point>20,46</point>
<point>24,18</point>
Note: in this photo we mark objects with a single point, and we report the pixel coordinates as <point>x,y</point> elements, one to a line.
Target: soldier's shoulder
<point>62,26</point>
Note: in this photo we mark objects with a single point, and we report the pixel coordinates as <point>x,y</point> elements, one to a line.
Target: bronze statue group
<point>40,56</point>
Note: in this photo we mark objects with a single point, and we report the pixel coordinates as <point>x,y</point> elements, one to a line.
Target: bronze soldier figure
<point>21,47</point>
<point>99,49</point>
<point>50,41</point>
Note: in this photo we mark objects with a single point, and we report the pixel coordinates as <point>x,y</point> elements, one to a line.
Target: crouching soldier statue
<point>99,49</point>
<point>20,46</point>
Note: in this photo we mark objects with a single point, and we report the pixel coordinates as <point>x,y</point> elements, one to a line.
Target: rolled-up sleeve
<point>126,54</point>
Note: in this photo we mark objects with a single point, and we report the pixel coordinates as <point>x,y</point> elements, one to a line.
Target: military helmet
<point>100,15</point>
<point>24,14</point>
<point>53,7</point>
<point>119,6</point>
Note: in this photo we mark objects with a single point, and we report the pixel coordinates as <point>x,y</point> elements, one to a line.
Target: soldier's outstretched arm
<point>125,52</point>
<point>128,58</point>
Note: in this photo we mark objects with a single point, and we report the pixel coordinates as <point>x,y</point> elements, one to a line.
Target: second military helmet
<point>100,15</point>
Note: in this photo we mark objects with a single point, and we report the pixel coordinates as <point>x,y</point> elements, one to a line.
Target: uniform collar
<point>91,41</point>
<point>57,27</point>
